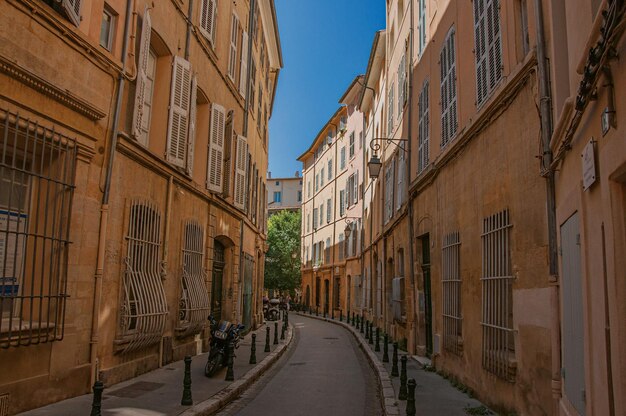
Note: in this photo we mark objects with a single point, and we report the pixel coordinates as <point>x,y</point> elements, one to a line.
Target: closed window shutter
<point>232,61</point>
<point>488,47</point>
<point>423,128</point>
<point>241,165</point>
<point>355,187</point>
<point>342,205</point>
<point>192,126</point>
<point>142,77</point>
<point>243,75</point>
<point>390,111</point>
<point>216,148</point>
<point>207,19</point>
<point>328,209</point>
<point>400,182</point>
<point>72,8</point>
<point>448,89</point>
<point>228,156</point>
<point>178,123</point>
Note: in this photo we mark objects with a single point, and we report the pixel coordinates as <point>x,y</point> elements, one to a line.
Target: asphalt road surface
<point>323,373</point>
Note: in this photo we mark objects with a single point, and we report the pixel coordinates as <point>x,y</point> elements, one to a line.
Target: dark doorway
<point>326,295</point>
<point>308,296</point>
<point>218,277</point>
<point>428,308</point>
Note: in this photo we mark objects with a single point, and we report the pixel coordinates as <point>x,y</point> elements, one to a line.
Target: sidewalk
<point>434,395</point>
<point>159,392</point>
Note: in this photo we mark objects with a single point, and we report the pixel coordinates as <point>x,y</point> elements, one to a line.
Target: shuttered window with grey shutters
<point>243,71</point>
<point>447,62</point>
<point>178,122</point>
<point>241,167</point>
<point>488,47</point>
<point>72,9</point>
<point>208,19</point>
<point>421,26</point>
<point>191,136</point>
<point>216,148</point>
<point>423,128</point>
<point>145,79</point>
<point>390,111</point>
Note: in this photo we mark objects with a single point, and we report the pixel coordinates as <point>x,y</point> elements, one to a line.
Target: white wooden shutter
<point>216,148</point>
<point>447,61</point>
<point>232,59</point>
<point>191,137</point>
<point>243,72</point>
<point>423,129</point>
<point>208,19</point>
<point>400,181</point>
<point>355,187</point>
<point>241,166</point>
<point>142,76</point>
<point>178,123</point>
<point>390,111</point>
<point>488,47</point>
<point>230,139</point>
<point>72,8</point>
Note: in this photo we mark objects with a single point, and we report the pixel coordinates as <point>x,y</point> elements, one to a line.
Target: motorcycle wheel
<point>213,364</point>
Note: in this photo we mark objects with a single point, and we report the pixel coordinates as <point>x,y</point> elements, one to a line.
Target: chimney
<point>297,174</point>
<point>269,175</point>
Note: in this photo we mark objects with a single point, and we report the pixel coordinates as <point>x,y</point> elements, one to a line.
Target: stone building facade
<point>284,194</point>
<point>134,156</point>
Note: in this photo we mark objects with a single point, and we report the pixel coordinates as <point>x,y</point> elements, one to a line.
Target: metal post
<point>275,333</point>
<point>282,332</point>
<point>362,323</point>
<point>96,405</point>
<point>352,317</point>
<point>410,401</point>
<point>286,319</point>
<point>371,337</point>
<point>358,321</point>
<point>377,346</point>
<point>230,374</point>
<point>253,350</point>
<point>187,400</point>
<point>317,311</point>
<point>267,339</point>
<point>386,350</point>
<point>367,329</point>
<point>332,313</point>
<point>394,361</point>
<point>340,315</point>
<point>403,393</point>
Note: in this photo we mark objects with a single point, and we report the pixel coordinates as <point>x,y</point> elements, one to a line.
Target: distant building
<point>284,194</point>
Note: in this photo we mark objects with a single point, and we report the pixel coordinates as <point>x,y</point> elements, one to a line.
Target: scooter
<point>222,333</point>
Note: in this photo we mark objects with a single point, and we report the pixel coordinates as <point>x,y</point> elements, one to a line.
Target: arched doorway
<point>217,283</point>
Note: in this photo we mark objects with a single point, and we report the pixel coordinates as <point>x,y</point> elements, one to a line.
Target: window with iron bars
<point>497,297</point>
<point>144,306</point>
<point>451,287</point>
<point>37,170</point>
<point>194,297</point>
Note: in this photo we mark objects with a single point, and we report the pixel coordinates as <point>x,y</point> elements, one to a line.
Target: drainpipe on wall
<point>408,179</point>
<point>104,208</point>
<point>545,112</point>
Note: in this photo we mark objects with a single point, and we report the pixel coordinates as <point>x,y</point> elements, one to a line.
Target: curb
<point>237,387</point>
<point>390,404</point>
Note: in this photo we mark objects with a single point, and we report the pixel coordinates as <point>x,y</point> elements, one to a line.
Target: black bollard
<point>410,401</point>
<point>371,337</point>
<point>340,315</point>
<point>186,400</point>
<point>253,350</point>
<point>362,324</point>
<point>282,333</point>
<point>324,313</point>
<point>267,339</point>
<point>275,333</point>
<point>377,345</point>
<point>286,319</point>
<point>96,405</point>
<point>385,350</point>
<point>358,321</point>
<point>394,361</point>
<point>352,317</point>
<point>403,394</point>
<point>317,311</point>
<point>332,313</point>
<point>230,374</point>
<point>367,329</point>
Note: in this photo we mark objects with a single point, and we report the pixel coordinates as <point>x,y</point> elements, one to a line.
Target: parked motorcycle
<point>222,333</point>
<point>271,312</point>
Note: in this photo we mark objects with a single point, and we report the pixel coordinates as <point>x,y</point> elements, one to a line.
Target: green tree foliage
<point>282,261</point>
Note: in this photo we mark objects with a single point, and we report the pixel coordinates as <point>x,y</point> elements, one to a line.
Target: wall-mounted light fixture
<point>374,163</point>
<point>348,230</point>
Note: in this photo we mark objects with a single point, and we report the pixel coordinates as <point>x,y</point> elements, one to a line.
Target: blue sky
<point>325,44</point>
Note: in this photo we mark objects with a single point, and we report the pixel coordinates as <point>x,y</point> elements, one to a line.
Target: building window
<point>328,210</point>
<point>277,183</point>
<point>327,251</point>
<point>421,26</point>
<point>447,61</point>
<point>317,182</point>
<point>402,85</point>
<point>351,146</point>
<point>400,182</point>
<point>342,158</point>
<point>277,196</point>
<point>389,187</point>
<point>330,169</point>
<point>308,189</point>
<point>360,140</point>
<point>252,82</point>
<point>234,38</point>
<point>337,292</point>
<point>343,122</point>
<point>397,298</point>
<point>488,47</point>
<point>144,306</point>
<point>341,247</point>
<point>451,288</point>
<point>194,297</point>
<point>342,202</point>
<point>321,214</point>
<point>308,222</point>
<point>208,19</point>
<point>107,28</point>
<point>497,297</point>
<point>146,71</point>
<point>215,165</point>
<point>36,183</point>
<point>315,218</point>
<point>299,196</point>
<point>390,105</point>
<point>322,177</point>
<point>423,128</point>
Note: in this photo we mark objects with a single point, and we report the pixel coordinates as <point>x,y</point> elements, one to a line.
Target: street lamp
<point>374,163</point>
<point>348,230</point>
